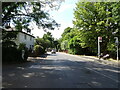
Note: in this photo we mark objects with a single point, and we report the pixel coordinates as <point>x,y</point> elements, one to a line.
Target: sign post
<point>99,40</point>
<point>117,43</point>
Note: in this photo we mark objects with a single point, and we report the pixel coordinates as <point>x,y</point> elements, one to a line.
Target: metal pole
<point>117,43</point>
<point>117,53</point>
<point>98,48</point>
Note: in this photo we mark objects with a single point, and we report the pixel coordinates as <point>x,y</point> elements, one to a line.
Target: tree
<point>42,42</point>
<point>21,14</point>
<point>64,45</point>
<point>67,30</point>
<point>65,38</point>
<point>57,44</point>
<point>21,24</point>
<point>47,41</point>
<point>48,36</point>
<point>29,11</point>
<point>8,39</point>
<point>94,19</point>
<point>71,41</point>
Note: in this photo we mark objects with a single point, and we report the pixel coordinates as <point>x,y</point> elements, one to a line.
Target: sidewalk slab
<point>93,58</point>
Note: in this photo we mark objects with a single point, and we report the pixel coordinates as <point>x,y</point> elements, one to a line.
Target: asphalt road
<point>60,71</point>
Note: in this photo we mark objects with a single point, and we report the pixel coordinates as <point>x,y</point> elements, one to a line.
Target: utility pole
<point>117,43</point>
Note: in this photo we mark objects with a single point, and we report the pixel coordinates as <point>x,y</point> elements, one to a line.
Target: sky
<point>63,16</point>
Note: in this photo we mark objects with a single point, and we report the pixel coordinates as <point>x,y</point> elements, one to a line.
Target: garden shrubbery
<point>38,50</point>
<point>21,47</point>
<point>14,54</point>
<point>10,54</point>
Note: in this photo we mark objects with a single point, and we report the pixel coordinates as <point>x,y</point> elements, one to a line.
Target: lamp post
<point>117,43</point>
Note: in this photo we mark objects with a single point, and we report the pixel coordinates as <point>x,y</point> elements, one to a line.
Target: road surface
<point>60,70</point>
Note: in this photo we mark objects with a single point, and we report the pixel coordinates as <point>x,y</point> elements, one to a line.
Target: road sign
<point>99,39</point>
<point>116,41</point>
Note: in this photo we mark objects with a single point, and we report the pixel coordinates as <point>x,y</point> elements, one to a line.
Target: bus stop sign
<point>99,39</point>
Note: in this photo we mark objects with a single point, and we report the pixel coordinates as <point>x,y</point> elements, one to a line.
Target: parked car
<point>53,51</point>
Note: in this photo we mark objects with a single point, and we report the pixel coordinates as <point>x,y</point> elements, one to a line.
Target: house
<point>23,37</point>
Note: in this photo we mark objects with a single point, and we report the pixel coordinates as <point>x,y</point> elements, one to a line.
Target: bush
<point>11,54</point>
<point>21,47</point>
<point>38,50</point>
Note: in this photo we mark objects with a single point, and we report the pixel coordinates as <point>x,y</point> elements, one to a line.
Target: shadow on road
<point>59,73</point>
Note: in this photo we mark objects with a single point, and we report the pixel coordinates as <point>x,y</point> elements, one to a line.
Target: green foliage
<point>64,45</point>
<point>21,23</point>
<point>74,45</point>
<point>15,56</point>
<point>47,41</point>
<point>22,46</point>
<point>95,19</point>
<point>56,44</point>
<point>38,50</point>
<point>10,10</point>
<point>22,13</point>
<point>8,46</point>
<point>67,30</point>
<point>9,57</point>
<point>8,39</point>
<point>71,41</point>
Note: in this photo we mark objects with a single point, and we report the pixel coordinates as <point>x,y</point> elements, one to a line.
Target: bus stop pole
<point>117,43</point>
<point>117,53</point>
<point>98,48</point>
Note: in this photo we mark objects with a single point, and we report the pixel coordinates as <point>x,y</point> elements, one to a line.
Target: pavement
<point>60,70</point>
<point>96,59</point>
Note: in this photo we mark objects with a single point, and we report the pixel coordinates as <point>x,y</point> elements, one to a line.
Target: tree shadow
<point>60,73</point>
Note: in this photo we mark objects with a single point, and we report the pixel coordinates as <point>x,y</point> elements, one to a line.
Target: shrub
<point>38,50</point>
<point>21,47</point>
<point>11,54</point>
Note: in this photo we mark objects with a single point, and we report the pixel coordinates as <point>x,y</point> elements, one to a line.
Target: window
<point>25,37</point>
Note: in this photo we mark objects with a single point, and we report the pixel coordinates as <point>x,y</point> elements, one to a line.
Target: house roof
<point>22,32</point>
<point>27,34</point>
<point>13,30</point>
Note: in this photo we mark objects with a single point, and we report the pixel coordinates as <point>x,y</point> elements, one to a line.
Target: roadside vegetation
<point>91,20</point>
<point>21,14</point>
<point>44,44</point>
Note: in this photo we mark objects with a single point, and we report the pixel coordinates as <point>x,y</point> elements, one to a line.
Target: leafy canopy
<point>26,12</point>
